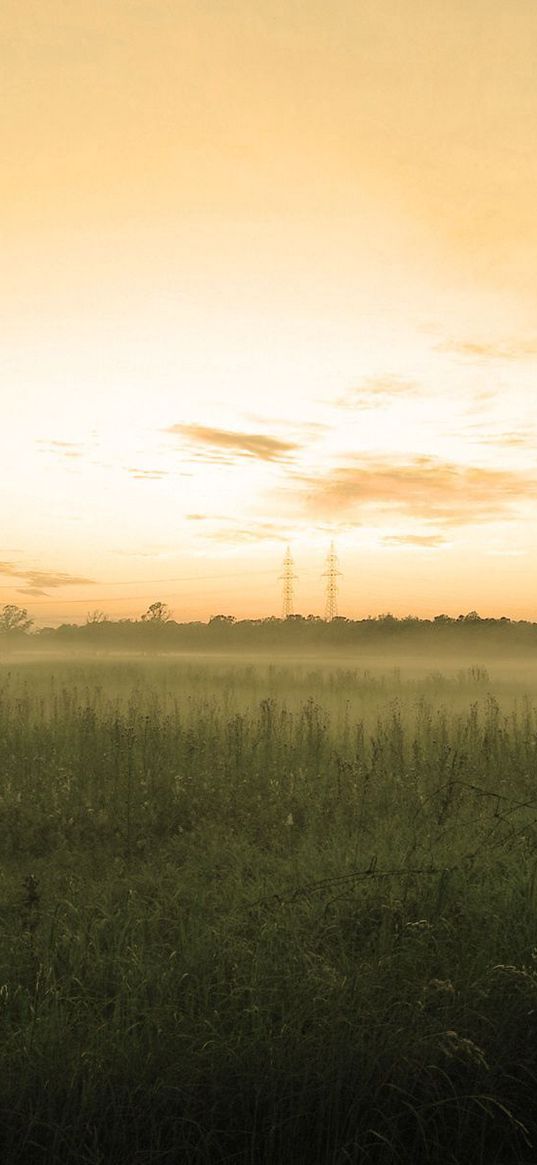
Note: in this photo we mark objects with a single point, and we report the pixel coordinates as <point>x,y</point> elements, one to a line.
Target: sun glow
<point>268,279</point>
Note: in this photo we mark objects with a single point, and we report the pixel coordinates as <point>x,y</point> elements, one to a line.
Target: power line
<point>123,582</point>
<point>93,599</point>
<point>35,601</point>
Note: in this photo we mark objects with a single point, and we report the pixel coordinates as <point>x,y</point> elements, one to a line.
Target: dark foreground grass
<point>290,930</point>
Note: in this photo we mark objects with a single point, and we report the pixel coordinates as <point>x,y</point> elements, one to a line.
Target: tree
<point>95,617</point>
<point>14,619</point>
<point>157,613</point>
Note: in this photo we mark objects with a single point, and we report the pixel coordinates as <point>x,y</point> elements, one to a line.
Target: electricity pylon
<point>288,590</point>
<point>331,573</point>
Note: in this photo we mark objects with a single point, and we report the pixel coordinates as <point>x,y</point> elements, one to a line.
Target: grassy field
<point>267,913</point>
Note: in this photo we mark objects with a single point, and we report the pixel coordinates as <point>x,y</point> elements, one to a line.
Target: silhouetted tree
<point>157,613</point>
<point>14,619</point>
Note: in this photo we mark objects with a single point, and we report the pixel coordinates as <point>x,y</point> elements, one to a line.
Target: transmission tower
<point>331,574</point>
<point>288,590</point>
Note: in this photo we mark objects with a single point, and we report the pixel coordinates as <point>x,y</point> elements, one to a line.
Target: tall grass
<point>270,914</point>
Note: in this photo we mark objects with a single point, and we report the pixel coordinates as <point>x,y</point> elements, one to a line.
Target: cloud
<point>426,541</point>
<point>491,350</point>
<point>313,429</point>
<point>69,449</point>
<point>503,552</point>
<point>254,532</point>
<point>481,433</point>
<point>335,527</point>
<point>375,391</point>
<point>252,445</point>
<point>164,550</point>
<point>146,474</point>
<point>36,579</point>
<point>61,444</point>
<point>513,439</point>
<point>482,398</point>
<point>206,517</point>
<point>424,487</point>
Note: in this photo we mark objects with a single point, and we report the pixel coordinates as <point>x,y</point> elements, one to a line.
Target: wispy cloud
<point>151,550</point>
<point>375,391</point>
<point>216,442</point>
<point>505,552</point>
<point>511,439</point>
<point>481,433</point>
<point>252,533</point>
<point>68,449</point>
<point>490,350</point>
<point>32,582</point>
<point>147,474</point>
<point>423,487</point>
<point>479,402</point>
<point>425,541</point>
<point>314,430</point>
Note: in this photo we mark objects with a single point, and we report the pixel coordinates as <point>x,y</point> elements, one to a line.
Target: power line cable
<point>122,582</point>
<point>35,601</point>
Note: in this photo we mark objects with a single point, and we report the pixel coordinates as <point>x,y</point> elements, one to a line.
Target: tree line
<point>158,627</point>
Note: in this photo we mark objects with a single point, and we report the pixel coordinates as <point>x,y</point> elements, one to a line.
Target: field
<point>267,913</point>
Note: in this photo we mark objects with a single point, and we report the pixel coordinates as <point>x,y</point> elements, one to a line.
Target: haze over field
<point>267,911</point>
<point>269,278</point>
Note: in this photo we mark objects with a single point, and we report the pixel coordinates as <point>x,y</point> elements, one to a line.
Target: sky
<point>268,280</point>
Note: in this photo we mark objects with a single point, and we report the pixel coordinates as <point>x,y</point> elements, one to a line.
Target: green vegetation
<point>467,635</point>
<point>275,914</point>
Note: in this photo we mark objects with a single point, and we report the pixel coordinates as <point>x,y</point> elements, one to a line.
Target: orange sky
<point>268,278</point>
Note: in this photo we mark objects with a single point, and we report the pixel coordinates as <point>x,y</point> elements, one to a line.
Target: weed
<point>274,914</point>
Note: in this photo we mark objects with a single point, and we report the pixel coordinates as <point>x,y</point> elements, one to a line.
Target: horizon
<point>98,616</point>
<point>269,280</point>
